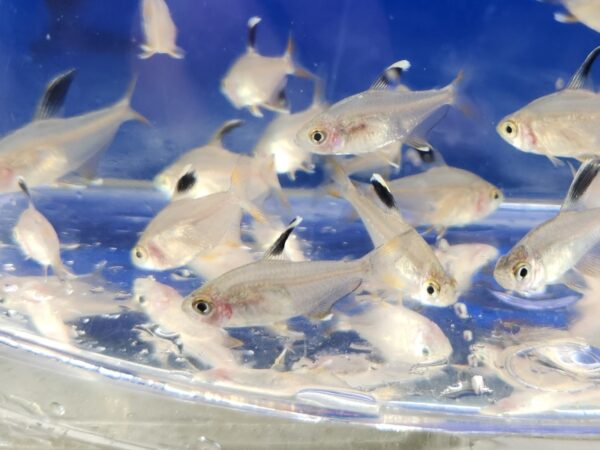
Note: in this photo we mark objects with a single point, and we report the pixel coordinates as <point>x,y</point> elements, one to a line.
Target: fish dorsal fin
<point>427,153</point>
<point>54,96</point>
<point>383,191</point>
<point>25,189</point>
<point>252,23</point>
<point>391,75</point>
<point>583,178</point>
<point>186,182</point>
<point>276,250</point>
<point>580,77</point>
<point>225,129</point>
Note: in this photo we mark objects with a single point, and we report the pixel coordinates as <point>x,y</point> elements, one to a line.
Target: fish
<point>37,238</point>
<point>586,12</point>
<point>208,170</point>
<point>561,124</point>
<point>444,196</point>
<point>463,261</point>
<point>159,30</point>
<point>271,291</point>
<point>399,334</point>
<point>370,120</point>
<point>418,273</point>
<point>279,139</point>
<point>48,148</point>
<point>191,227</point>
<point>201,171</point>
<point>162,304</point>
<point>255,81</point>
<point>561,250</point>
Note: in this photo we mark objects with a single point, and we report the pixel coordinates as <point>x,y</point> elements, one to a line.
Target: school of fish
<point>229,222</point>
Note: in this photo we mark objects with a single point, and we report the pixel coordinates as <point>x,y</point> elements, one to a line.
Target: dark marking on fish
<point>252,23</point>
<point>580,77</point>
<point>279,245</point>
<point>54,95</point>
<point>583,178</point>
<point>186,182</point>
<point>383,191</point>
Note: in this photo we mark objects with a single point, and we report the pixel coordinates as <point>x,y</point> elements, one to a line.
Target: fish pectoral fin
<point>565,17</point>
<point>589,264</point>
<point>575,281</point>
<point>231,342</point>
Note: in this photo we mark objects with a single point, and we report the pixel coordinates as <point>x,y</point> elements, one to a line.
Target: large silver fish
<point>255,81</point>
<point>418,272</point>
<point>37,238</point>
<point>563,124</point>
<point>563,249</point>
<point>374,118</point>
<point>159,30</point>
<point>48,148</point>
<point>271,291</point>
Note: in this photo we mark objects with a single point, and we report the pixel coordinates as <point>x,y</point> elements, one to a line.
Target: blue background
<point>512,52</point>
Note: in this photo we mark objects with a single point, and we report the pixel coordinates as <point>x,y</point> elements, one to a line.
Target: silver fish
<point>271,291</point>
<point>399,334</point>
<point>159,30</point>
<point>445,196</point>
<point>37,238</point>
<point>418,273</point>
<point>279,139</point>
<point>562,124</point>
<point>162,303</point>
<point>374,118</point>
<point>560,250</point>
<point>255,81</point>
<point>47,149</point>
<point>190,227</point>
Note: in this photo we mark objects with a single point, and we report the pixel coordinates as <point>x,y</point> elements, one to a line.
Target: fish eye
<point>139,253</point>
<point>495,194</point>
<point>318,136</point>
<point>521,271</point>
<point>425,351</point>
<point>432,288</point>
<point>510,128</point>
<point>186,182</point>
<point>204,307</point>
<point>141,299</point>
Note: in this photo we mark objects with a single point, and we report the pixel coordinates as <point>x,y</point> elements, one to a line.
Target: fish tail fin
<point>147,52</point>
<point>381,262</point>
<point>294,68</point>
<point>177,53</point>
<point>126,102</point>
<point>459,101</point>
<point>239,184</point>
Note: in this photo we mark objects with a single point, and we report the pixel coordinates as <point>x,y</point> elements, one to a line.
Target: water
<point>512,364</point>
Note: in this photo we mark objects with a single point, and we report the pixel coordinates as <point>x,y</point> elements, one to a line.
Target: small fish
<point>271,291</point>
<point>37,238</point>
<point>418,273</point>
<point>201,171</point>
<point>162,303</point>
<point>374,118</point>
<point>445,196</point>
<point>190,227</point>
<point>159,30</point>
<point>45,150</point>
<point>255,81</point>
<point>561,250</point>
<point>399,334</point>
<point>562,124</point>
<point>279,139</point>
<point>585,11</point>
